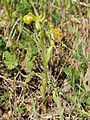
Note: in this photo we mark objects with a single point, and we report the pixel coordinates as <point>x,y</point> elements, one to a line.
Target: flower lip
<point>58,33</point>
<point>27,19</point>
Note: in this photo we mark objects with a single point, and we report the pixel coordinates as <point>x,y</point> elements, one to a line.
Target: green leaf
<point>21,107</point>
<point>56,99</point>
<point>68,71</point>
<point>55,96</point>
<point>79,53</point>
<point>10,60</point>
<point>4,99</point>
<point>83,68</point>
<point>72,74</point>
<point>28,63</point>
<point>29,60</point>
<point>48,54</point>
<point>7,104</point>
<point>86,99</point>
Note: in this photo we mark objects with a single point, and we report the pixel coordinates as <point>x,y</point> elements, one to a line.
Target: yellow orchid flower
<point>58,33</point>
<point>29,18</point>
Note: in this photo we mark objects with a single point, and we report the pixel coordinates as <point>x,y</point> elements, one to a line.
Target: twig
<point>7,79</point>
<point>81,3</point>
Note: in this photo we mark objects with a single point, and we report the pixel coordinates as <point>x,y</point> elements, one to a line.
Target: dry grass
<point>20,96</point>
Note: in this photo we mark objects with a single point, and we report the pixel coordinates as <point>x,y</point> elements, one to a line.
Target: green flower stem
<point>45,78</point>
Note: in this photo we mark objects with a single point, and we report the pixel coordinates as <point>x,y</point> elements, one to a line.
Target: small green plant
<point>56,99</point>
<point>78,55</point>
<point>10,60</point>
<point>21,108</point>
<point>4,99</point>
